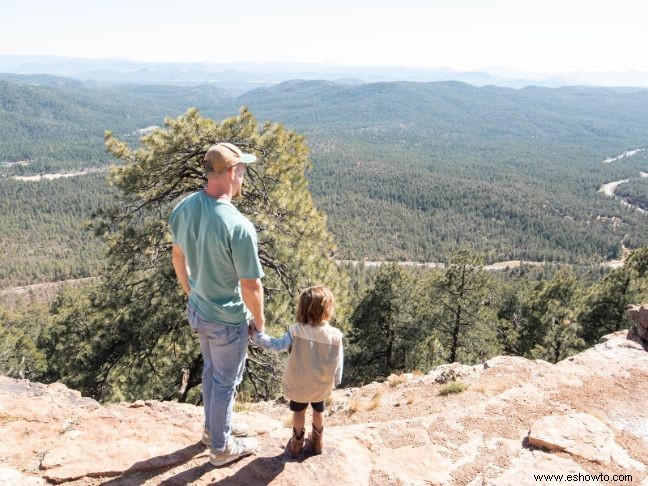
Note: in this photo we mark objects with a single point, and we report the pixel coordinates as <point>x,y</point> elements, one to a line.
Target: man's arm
<point>252,293</point>
<point>180,267</point>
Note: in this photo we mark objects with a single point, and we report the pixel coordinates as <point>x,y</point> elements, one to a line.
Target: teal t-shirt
<point>220,248</point>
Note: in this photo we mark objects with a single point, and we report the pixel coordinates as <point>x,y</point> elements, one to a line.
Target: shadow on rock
<point>259,471</point>
<point>158,464</point>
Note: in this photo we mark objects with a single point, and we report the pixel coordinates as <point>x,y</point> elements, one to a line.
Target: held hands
<point>254,326</point>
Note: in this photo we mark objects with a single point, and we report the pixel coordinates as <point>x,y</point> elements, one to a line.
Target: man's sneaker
<point>238,430</point>
<point>235,448</point>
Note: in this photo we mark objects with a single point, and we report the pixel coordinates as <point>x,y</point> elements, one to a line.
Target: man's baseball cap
<point>222,156</point>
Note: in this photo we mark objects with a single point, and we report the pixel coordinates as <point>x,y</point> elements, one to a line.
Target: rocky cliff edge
<point>516,418</point>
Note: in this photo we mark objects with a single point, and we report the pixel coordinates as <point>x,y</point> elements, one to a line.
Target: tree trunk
<point>457,320</point>
<point>390,349</point>
<point>455,335</point>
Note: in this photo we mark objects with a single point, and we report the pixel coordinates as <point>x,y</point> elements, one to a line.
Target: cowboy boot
<point>296,443</point>
<point>315,440</point>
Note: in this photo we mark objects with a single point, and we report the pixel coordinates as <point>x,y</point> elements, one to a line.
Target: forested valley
<point>441,172</point>
<point>635,192</point>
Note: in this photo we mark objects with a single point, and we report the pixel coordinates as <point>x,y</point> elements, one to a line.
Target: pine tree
<point>604,306</point>
<point>19,356</point>
<point>549,329</point>
<point>379,339</point>
<point>509,315</point>
<point>465,317</point>
<point>133,328</point>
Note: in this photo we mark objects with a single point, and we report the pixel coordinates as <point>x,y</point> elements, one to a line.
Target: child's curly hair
<point>316,305</point>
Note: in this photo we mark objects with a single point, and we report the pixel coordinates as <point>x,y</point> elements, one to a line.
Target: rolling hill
<point>405,171</point>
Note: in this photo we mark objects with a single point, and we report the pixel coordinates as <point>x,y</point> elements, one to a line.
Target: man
<point>216,260</point>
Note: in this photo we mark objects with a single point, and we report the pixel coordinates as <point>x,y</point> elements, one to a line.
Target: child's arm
<point>273,344</point>
<point>340,366</point>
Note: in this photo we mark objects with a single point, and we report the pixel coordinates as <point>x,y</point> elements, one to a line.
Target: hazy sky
<point>539,36</point>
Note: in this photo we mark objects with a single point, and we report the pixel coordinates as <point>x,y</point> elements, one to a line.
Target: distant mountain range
<point>238,78</point>
<point>404,170</point>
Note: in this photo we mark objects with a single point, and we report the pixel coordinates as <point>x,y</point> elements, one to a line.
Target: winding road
<point>609,188</point>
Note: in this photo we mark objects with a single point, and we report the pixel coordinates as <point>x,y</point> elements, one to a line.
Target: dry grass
<point>417,373</point>
<point>375,401</point>
<point>329,402</point>
<point>491,390</point>
<point>395,380</point>
<point>354,406</point>
<point>5,419</point>
<point>452,388</point>
<point>484,390</point>
<point>410,399</point>
<point>287,421</point>
<point>240,407</point>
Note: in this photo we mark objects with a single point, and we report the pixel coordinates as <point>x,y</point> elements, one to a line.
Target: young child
<point>314,364</point>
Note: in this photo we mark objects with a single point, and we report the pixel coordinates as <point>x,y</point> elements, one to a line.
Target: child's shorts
<point>298,406</point>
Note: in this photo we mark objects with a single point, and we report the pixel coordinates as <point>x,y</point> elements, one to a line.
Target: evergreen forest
<point>437,172</point>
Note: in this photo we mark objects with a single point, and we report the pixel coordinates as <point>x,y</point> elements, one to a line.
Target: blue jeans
<point>224,350</point>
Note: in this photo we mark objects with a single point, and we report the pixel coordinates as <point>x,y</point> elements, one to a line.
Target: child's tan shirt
<point>315,361</point>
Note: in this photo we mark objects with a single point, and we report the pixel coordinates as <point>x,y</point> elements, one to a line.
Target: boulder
<point>581,435</point>
<point>639,316</point>
<point>453,372</point>
<point>530,463</point>
<point>590,408</point>
<point>119,439</point>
